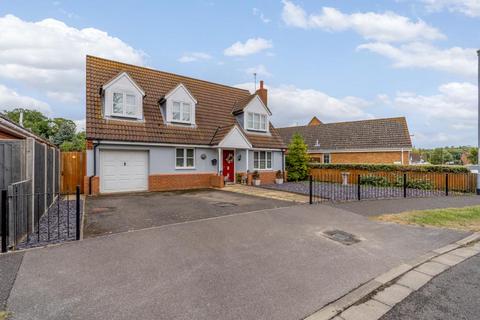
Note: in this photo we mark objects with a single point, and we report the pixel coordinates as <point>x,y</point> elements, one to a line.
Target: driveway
<point>118,213</point>
<point>270,264</point>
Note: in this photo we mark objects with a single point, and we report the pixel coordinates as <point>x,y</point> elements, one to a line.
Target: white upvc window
<point>256,121</point>
<point>262,160</point>
<point>185,158</point>
<point>124,104</point>
<point>182,112</point>
<point>326,158</point>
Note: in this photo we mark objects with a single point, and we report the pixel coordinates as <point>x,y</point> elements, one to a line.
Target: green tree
<point>440,156</point>
<point>473,155</point>
<point>77,143</point>
<point>33,120</point>
<point>297,159</point>
<point>65,131</point>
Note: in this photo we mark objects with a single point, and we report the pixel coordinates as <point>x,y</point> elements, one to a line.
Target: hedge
<point>390,167</point>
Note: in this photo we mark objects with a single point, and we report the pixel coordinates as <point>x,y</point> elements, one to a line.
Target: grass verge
<point>4,315</point>
<point>467,218</point>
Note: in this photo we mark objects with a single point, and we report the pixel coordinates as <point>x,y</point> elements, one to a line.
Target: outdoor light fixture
<point>239,157</point>
<point>214,162</point>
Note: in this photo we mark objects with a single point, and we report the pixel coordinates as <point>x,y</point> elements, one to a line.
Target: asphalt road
<point>9,264</point>
<point>377,207</point>
<point>271,264</point>
<point>454,294</point>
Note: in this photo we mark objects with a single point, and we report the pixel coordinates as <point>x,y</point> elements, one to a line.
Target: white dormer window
<point>256,121</point>
<point>124,105</point>
<point>123,98</point>
<point>181,112</point>
<point>179,106</point>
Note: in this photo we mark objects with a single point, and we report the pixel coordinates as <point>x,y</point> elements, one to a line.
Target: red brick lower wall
<point>95,185</point>
<point>266,177</point>
<point>165,182</point>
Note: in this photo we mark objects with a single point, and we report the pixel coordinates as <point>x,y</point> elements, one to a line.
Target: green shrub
<point>297,159</point>
<point>375,181</point>
<point>391,167</point>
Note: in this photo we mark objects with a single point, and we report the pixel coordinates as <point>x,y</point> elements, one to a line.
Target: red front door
<point>228,165</point>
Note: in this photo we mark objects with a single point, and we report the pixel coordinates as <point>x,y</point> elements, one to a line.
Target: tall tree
<point>297,159</point>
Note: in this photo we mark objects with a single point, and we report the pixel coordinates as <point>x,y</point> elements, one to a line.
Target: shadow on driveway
<point>119,213</point>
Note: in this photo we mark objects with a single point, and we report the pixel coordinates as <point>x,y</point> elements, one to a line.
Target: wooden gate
<point>73,170</point>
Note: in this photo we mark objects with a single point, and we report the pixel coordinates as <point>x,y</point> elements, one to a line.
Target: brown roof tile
<point>213,110</point>
<point>386,133</point>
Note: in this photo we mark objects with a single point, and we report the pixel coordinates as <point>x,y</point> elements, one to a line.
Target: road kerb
<point>361,301</point>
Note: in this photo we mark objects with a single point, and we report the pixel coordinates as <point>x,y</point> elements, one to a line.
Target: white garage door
<point>123,171</point>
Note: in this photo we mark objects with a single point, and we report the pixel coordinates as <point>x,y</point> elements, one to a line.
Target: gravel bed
<point>339,192</point>
<point>58,224</point>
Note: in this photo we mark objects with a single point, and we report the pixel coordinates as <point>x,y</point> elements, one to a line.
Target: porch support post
<point>246,159</point>
<point>220,160</point>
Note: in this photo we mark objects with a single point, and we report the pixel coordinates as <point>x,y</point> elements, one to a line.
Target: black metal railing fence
<point>369,186</point>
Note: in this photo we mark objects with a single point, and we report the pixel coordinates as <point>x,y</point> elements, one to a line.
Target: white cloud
<point>50,56</point>
<point>194,56</point>
<point>260,70</point>
<point>470,8</point>
<point>10,99</point>
<point>291,105</point>
<point>420,55</point>
<point>251,46</point>
<point>81,125</point>
<point>257,12</point>
<point>447,117</point>
<point>385,27</point>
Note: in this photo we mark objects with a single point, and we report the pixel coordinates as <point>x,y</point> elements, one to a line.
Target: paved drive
<point>377,207</point>
<point>126,212</point>
<point>271,264</point>
<point>454,294</point>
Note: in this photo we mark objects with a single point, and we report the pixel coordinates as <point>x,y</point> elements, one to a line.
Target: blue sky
<point>338,60</point>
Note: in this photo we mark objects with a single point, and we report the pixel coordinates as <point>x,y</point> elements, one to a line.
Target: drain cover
<point>225,204</point>
<point>341,236</point>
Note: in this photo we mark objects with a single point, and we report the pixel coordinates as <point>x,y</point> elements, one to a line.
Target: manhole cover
<point>225,204</point>
<point>341,236</point>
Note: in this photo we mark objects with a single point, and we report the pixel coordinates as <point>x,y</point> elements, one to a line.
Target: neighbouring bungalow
<point>149,130</point>
<point>365,141</point>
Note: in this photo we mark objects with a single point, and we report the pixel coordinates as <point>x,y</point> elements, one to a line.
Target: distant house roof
<point>14,130</point>
<point>215,103</point>
<point>314,122</point>
<point>389,133</point>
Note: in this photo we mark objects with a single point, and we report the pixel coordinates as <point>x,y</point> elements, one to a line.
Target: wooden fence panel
<point>73,166</point>
<point>12,162</point>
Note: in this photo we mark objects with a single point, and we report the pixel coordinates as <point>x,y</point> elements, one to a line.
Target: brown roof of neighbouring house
<point>213,110</point>
<point>389,133</point>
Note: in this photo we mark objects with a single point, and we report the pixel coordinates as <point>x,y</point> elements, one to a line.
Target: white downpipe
<point>246,158</point>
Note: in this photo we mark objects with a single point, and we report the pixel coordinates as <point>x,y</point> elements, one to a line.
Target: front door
<point>228,165</point>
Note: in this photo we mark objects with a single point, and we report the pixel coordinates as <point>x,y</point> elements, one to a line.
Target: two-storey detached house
<point>149,130</point>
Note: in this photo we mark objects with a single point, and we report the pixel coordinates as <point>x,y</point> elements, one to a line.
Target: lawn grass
<point>466,218</point>
<point>4,315</point>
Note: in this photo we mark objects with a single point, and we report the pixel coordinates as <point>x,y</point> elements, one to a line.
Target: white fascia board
<point>123,74</point>
<point>359,150</point>
<point>231,132</point>
<point>184,88</point>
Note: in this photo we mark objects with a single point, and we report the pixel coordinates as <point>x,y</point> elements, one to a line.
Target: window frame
<point>261,122</point>
<point>185,159</point>
<point>183,104</point>
<point>124,113</point>
<point>257,162</point>
<point>328,156</point>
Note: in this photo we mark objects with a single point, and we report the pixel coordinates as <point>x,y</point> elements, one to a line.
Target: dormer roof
<point>123,75</point>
